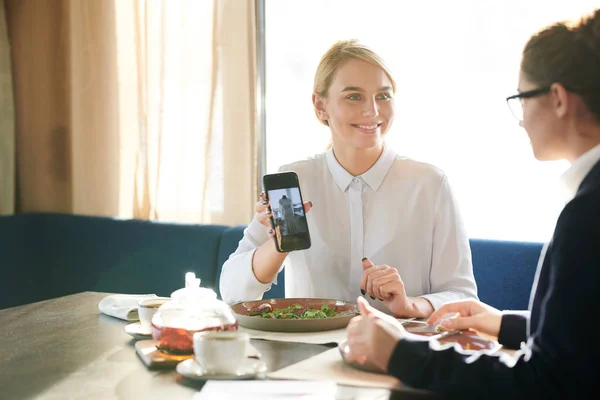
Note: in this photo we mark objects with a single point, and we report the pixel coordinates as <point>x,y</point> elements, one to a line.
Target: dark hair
<point>570,55</point>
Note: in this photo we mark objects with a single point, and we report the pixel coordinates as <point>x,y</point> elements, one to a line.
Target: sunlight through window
<point>455,62</point>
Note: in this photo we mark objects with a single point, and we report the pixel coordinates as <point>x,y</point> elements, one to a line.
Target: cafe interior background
<point>171,111</point>
<point>142,124</point>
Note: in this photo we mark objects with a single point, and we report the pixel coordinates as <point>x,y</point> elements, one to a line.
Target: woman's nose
<point>371,109</point>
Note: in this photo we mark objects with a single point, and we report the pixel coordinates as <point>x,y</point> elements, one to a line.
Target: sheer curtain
<point>135,108</point>
<point>7,122</point>
<point>194,106</point>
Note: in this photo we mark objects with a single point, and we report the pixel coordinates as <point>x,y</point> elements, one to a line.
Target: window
<point>455,62</point>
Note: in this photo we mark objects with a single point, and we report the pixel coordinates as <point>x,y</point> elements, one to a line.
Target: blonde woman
<point>382,226</point>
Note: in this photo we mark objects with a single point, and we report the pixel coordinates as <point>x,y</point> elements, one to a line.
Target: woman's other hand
<point>472,314</point>
<point>384,283</point>
<point>372,337</point>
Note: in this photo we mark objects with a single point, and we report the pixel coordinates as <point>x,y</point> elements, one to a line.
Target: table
<point>64,348</point>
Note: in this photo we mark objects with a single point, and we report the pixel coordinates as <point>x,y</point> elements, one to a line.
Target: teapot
<point>191,309</point>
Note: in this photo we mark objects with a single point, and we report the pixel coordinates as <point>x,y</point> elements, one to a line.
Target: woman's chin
<point>369,142</point>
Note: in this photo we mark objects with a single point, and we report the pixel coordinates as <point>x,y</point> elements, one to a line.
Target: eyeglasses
<point>515,102</point>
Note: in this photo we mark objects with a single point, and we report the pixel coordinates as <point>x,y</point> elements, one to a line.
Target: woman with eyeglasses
<point>558,104</point>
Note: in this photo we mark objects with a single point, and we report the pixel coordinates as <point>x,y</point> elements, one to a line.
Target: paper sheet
<point>329,366</point>
<point>265,390</point>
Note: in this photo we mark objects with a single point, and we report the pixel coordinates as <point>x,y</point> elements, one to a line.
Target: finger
<point>264,218</point>
<point>262,203</point>
<point>362,360</point>
<point>377,273</point>
<point>388,285</point>
<point>261,206</point>
<point>365,276</point>
<point>366,263</point>
<point>459,323</point>
<point>358,355</point>
<point>352,325</point>
<point>307,206</point>
<point>381,270</point>
<point>395,287</point>
<point>460,306</point>
<point>356,351</point>
<point>364,307</point>
<point>372,273</point>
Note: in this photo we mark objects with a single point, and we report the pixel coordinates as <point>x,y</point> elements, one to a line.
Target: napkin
<point>122,306</point>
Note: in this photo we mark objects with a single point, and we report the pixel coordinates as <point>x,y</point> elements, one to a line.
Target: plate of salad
<point>294,314</point>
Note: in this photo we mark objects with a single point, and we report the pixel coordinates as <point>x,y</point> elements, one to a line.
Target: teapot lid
<point>192,290</point>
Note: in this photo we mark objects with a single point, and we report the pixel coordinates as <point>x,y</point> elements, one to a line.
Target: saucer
<point>137,332</point>
<point>250,369</point>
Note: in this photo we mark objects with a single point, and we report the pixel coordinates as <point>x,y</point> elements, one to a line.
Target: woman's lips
<point>367,129</point>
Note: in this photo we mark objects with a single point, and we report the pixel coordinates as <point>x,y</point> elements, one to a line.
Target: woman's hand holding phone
<point>267,259</point>
<point>263,209</point>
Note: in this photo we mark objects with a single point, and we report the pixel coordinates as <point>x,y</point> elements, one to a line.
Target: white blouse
<point>400,212</point>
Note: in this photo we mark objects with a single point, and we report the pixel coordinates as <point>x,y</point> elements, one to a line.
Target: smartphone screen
<point>288,218</point>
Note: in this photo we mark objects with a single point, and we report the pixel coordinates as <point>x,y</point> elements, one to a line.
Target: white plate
<point>137,332</point>
<point>250,369</point>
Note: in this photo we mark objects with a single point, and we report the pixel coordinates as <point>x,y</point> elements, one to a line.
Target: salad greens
<point>296,311</point>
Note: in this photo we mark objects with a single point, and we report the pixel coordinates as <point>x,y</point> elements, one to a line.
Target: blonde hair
<point>568,54</point>
<point>340,53</point>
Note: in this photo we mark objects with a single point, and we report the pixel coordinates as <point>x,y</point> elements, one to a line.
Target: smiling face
<point>359,105</point>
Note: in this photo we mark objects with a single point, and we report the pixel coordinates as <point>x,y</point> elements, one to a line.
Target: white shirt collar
<point>373,177</point>
<point>572,178</point>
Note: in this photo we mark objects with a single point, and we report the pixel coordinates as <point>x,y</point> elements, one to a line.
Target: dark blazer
<point>562,356</point>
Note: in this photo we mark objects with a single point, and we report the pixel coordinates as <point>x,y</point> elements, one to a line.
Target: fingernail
<point>446,322</point>
<point>364,258</point>
<point>362,292</point>
<point>270,231</point>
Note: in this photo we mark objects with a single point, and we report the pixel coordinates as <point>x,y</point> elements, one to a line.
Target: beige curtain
<point>7,122</point>
<point>136,108</point>
<point>65,69</point>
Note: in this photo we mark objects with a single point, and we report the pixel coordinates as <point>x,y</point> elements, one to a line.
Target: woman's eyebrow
<point>353,89</point>
<point>358,89</point>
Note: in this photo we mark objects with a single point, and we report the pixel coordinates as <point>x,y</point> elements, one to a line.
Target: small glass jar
<point>191,309</point>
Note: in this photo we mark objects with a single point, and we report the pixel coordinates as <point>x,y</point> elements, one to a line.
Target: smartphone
<point>288,218</point>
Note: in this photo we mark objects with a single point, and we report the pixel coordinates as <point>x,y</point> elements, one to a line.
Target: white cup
<point>221,352</point>
<point>147,308</point>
